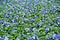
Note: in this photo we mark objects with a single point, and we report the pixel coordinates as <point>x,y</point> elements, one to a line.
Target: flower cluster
<point>29,20</point>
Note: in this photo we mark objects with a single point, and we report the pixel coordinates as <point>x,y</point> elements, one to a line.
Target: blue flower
<point>47,30</point>
<point>34,30</point>
<point>16,16</point>
<point>22,35</point>
<point>48,24</point>
<point>30,4</point>
<point>43,11</point>
<point>7,15</point>
<point>54,36</point>
<point>21,18</point>
<point>58,36</point>
<point>13,21</point>
<point>34,37</point>
<point>36,2</point>
<point>38,39</point>
<point>27,29</point>
<point>48,37</point>
<point>1,38</point>
<point>4,24</point>
<point>1,21</point>
<point>40,24</point>
<point>57,14</point>
<point>29,38</point>
<point>35,16</point>
<point>0,2</point>
<point>58,18</point>
<point>26,20</point>
<point>32,9</point>
<point>32,20</point>
<point>8,1</point>
<point>3,1</point>
<point>53,9</point>
<point>23,23</point>
<point>31,28</point>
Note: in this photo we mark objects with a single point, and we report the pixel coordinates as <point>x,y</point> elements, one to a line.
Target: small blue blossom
<point>27,29</point>
<point>31,28</point>
<point>0,2</point>
<point>58,18</point>
<point>57,14</point>
<point>53,9</point>
<point>4,1</point>
<point>7,15</point>
<point>14,30</point>
<point>34,30</point>
<point>47,30</point>
<point>43,11</point>
<point>48,24</point>
<point>21,18</point>
<point>32,20</point>
<point>22,35</point>
<point>16,16</point>
<point>54,36</point>
<point>48,37</point>
<point>26,20</point>
<point>31,9</point>
<point>30,4</point>
<point>1,21</point>
<point>40,24</point>
<point>23,23</point>
<point>58,23</point>
<point>1,38</point>
<point>8,1</point>
<point>34,37</point>
<point>4,24</point>
<point>38,39</point>
<point>13,21</point>
<point>58,36</point>
<point>30,16</point>
<point>35,16</point>
<point>29,38</point>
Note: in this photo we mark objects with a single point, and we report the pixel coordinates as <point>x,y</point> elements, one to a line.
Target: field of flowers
<point>29,19</point>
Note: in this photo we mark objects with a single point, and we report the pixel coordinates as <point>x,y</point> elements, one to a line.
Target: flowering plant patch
<point>29,19</point>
